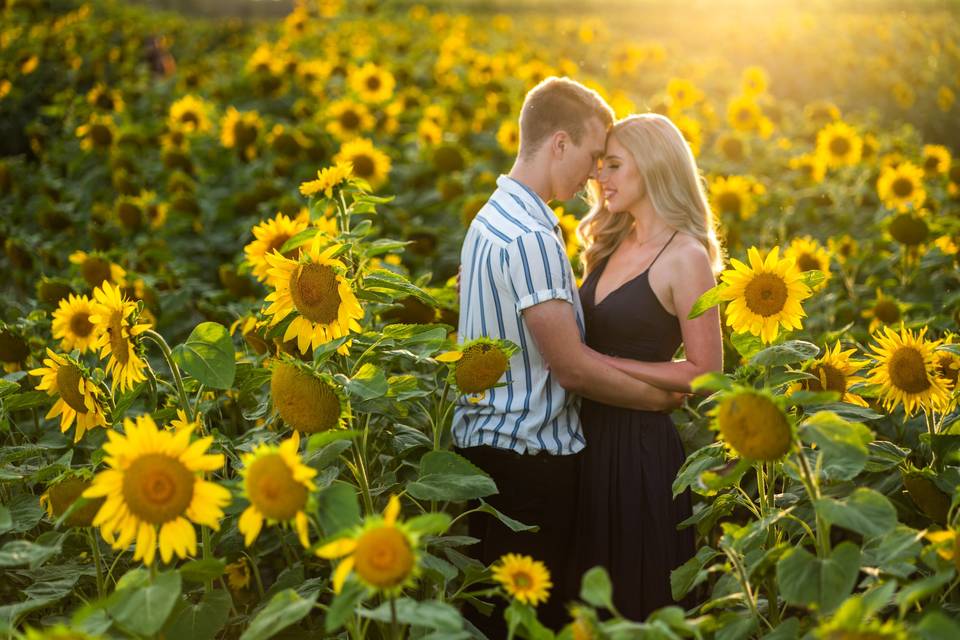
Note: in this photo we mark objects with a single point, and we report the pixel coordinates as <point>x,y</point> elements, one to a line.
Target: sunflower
<point>948,363</point>
<point>903,95</point>
<point>731,146</point>
<point>753,425</point>
<point>909,228</point>
<point>328,179</point>
<point>523,578</point>
<point>809,256</point>
<point>79,396</point>
<point>734,195</point>
<point>189,114</point>
<point>835,371</point>
<point>744,114</point>
<point>270,236</point>
<point>155,490</point>
<point>843,248</point>
<point>691,130</point>
<point>382,553</point>
<point>844,627</point>
<point>99,132</point>
<point>308,402</point>
<point>945,98</point>
<point>765,295</point>
<point>71,323</point>
<point>347,119</point>
<point>60,496</point>
<point>683,93</point>
<point>101,97</point>
<point>901,187</point>
<point>315,290</point>
<point>906,371</point>
<point>812,165</point>
<point>478,365</point>
<point>238,574</point>
<point>885,310</point>
<point>369,163</point>
<point>429,132</point>
<point>96,269</point>
<point>239,130</point>
<point>568,227</point>
<point>372,83</point>
<point>508,136</point>
<point>14,350</point>
<point>278,486</point>
<point>182,421</point>
<point>839,145</point>
<point>754,81</point>
<point>116,329</point>
<point>947,544</point>
<point>822,112</point>
<point>936,160</point>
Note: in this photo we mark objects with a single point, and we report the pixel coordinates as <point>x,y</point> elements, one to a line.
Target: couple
<point>579,440</point>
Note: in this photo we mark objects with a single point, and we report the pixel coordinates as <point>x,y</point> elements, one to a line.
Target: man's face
<point>579,162</point>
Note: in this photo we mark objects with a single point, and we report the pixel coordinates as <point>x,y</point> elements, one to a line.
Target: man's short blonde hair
<point>559,104</point>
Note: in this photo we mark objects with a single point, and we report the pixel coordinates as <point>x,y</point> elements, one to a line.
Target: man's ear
<point>559,141</point>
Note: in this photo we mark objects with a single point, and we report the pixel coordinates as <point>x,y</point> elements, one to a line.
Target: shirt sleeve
<point>535,267</point>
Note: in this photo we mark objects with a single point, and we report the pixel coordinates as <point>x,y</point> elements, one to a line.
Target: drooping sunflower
<point>382,553</point>
<point>315,289</point>
<point>278,486</point>
<point>71,323</point>
<point>936,160</point>
<point>112,315</point>
<point>885,310</point>
<point>906,371</point>
<point>347,119</point>
<point>190,114</point>
<point>270,236</point>
<point>60,496</point>
<point>765,295</point>
<point>836,371</point>
<point>79,396</point>
<point>753,425</point>
<point>839,145</point>
<point>308,402</point>
<point>523,578</point>
<point>155,490</point>
<point>369,163</point>
<point>95,268</point>
<point>373,84</point>
<point>735,195</point>
<point>477,365</point>
<point>327,180</point>
<point>99,132</point>
<point>810,255</point>
<point>901,187</point>
<point>909,228</point>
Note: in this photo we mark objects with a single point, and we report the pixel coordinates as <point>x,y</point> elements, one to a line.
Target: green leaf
<point>885,455</point>
<point>691,573</point>
<point>429,614</point>
<point>320,440</point>
<point>851,411</point>
<point>707,300</point>
<point>201,571</point>
<point>704,458</point>
<point>746,344</point>
<point>788,629</point>
<point>25,512</point>
<point>813,277</point>
<point>200,621</point>
<point>368,383</point>
<point>917,591</point>
<point>936,626</point>
<point>596,588</point>
<point>429,523</point>
<point>712,381</point>
<point>337,508</point>
<point>398,286</point>
<point>843,443</point>
<point>806,581</point>
<point>523,620</point>
<point>24,552</point>
<point>27,400</point>
<point>284,609</point>
<point>144,608</point>
<point>447,487</point>
<point>514,525</point>
<point>343,604</point>
<point>789,352</point>
<point>894,553</point>
<point>208,355</point>
<point>7,388</point>
<point>6,522</point>
<point>864,511</point>
<point>713,481</point>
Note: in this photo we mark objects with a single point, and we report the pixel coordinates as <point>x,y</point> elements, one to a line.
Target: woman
<point>650,251</point>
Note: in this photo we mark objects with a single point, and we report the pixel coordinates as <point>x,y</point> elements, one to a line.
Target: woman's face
<point>619,178</point>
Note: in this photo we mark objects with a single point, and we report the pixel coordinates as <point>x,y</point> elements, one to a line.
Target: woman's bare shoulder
<point>686,249</point>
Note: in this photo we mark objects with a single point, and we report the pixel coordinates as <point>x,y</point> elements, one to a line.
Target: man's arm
<point>555,331</point>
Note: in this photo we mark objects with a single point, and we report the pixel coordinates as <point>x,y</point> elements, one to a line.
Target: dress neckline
<point>631,280</point>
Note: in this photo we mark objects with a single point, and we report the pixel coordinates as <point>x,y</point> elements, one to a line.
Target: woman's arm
<point>690,276</point>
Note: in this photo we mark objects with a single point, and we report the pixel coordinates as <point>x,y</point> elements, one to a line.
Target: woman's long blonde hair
<point>672,180</point>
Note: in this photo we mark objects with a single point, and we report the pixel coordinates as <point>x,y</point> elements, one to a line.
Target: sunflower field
<point>229,311</point>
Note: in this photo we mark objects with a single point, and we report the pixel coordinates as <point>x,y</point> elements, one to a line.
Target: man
<point>517,284</point>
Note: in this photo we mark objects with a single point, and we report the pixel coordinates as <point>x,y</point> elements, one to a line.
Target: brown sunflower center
<point>349,120</point>
<point>272,488</point>
<point>80,324</point>
<point>374,83</point>
<point>364,166</point>
<point>807,262</point>
<point>130,215</point>
<point>902,187</point>
<point>730,202</point>
<point>908,229</point>
<point>313,288</point>
<point>158,488</point>
<point>886,311</point>
<point>932,163</point>
<point>948,366</point>
<point>840,146</point>
<point>12,347</point>
<point>68,383</point>
<point>245,134</point>
<point>118,343</point>
<point>908,371</point>
<point>733,148</point>
<point>744,115</point>
<point>189,117</point>
<point>95,270</point>
<point>105,101</point>
<point>277,242</point>
<point>522,580</point>
<point>383,557</point>
<point>766,294</point>
<point>101,135</point>
<point>830,379</point>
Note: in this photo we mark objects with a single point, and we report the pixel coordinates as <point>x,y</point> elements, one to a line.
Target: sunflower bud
<point>754,426</point>
<point>305,402</point>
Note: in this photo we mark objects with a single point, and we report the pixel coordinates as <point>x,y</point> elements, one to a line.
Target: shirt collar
<point>533,203</point>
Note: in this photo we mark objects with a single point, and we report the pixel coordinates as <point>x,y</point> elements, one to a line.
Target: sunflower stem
<point>97,561</point>
<point>207,550</point>
<point>440,421</point>
<point>174,369</point>
<point>344,216</point>
<point>256,575</point>
<point>813,491</point>
<point>394,631</point>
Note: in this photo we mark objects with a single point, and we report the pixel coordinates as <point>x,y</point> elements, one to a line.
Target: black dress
<point>627,518</point>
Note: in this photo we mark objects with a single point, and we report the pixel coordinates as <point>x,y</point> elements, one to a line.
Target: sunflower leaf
<point>283,610</point>
<point>208,355</point>
<point>707,300</point>
<point>789,352</point>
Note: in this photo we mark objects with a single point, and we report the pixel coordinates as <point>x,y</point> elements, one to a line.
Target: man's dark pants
<point>534,489</point>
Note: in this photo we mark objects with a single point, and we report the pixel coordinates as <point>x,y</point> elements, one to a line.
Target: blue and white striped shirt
<point>513,257</point>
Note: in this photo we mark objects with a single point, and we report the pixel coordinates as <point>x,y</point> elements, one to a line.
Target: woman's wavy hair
<point>673,182</point>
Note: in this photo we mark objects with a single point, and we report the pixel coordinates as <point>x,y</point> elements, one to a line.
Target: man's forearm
<point>603,383</point>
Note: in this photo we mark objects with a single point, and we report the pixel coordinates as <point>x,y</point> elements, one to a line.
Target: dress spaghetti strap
<point>662,249</point>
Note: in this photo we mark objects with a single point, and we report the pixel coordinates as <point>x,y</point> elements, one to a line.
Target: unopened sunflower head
<point>753,425</point>
<point>906,371</point>
<point>382,553</point>
<point>278,485</point>
<point>79,398</point>
<point>477,365</point>
<point>523,578</point>
<point>307,401</point>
